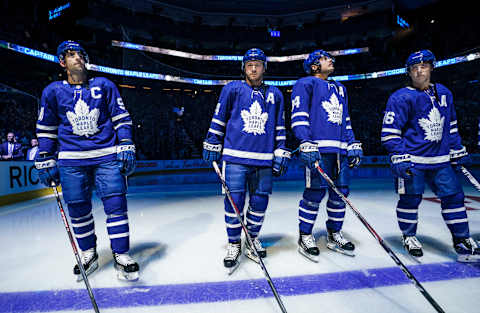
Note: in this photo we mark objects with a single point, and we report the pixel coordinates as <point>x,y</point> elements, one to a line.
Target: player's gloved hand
<point>460,158</point>
<point>354,154</point>
<point>401,165</point>
<point>309,154</point>
<point>47,169</point>
<point>281,157</point>
<point>211,152</point>
<point>126,157</point>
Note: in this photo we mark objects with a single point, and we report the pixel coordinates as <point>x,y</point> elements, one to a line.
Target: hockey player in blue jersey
<point>248,133</point>
<point>420,133</point>
<point>320,121</point>
<point>87,120</point>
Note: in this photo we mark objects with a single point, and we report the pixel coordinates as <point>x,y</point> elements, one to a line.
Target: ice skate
<point>467,250</point>
<point>338,243</point>
<point>250,253</point>
<point>89,260</point>
<point>232,259</point>
<point>308,247</point>
<point>413,247</point>
<point>126,267</point>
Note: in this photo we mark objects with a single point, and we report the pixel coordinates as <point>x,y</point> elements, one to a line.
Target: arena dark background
<point>230,28</point>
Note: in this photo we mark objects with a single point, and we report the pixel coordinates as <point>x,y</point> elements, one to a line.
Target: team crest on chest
<point>433,125</point>
<point>254,120</point>
<point>84,121</point>
<point>334,109</point>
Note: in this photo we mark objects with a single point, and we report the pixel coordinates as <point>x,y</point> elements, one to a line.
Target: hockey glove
<point>309,154</point>
<point>126,157</point>
<point>47,169</point>
<point>401,166</point>
<point>460,158</point>
<point>281,157</point>
<point>354,154</point>
<point>211,152</point>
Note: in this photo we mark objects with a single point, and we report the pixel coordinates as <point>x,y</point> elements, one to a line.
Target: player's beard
<point>254,81</point>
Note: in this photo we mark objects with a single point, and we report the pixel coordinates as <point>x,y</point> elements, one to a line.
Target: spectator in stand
<point>32,152</point>
<point>10,150</point>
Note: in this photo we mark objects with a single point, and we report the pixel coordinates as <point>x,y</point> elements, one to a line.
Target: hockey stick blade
<point>470,177</point>
<point>380,240</point>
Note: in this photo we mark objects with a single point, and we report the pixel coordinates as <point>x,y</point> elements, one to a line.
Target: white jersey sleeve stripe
<point>217,121</point>
<point>300,114</point>
<point>216,132</point>
<point>46,135</point>
<point>386,138</point>
<point>304,123</point>
<point>392,130</point>
<point>119,116</point>
<point>43,127</point>
<point>121,124</point>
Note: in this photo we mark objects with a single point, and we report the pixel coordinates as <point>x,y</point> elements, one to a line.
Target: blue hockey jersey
<point>249,122</point>
<point>86,120</point>
<point>320,114</point>
<point>421,126</point>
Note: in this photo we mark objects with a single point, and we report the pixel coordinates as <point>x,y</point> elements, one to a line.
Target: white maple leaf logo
<point>334,109</point>
<point>254,120</point>
<point>433,125</point>
<point>84,121</point>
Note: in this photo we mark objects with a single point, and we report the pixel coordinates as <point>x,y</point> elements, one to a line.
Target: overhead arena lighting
<point>210,82</point>
<point>201,57</point>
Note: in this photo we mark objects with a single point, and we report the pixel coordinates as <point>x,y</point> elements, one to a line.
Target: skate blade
<point>336,248</point>
<point>231,270</point>
<point>313,258</point>
<point>468,258</point>
<point>90,270</point>
<point>415,259</point>
<point>125,276</point>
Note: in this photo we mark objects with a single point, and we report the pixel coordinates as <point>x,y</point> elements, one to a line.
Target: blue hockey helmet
<point>254,54</point>
<point>422,56</point>
<point>313,59</point>
<point>72,46</point>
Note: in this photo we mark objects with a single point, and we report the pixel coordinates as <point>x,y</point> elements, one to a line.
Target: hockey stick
<point>74,247</point>
<point>250,241</point>
<point>470,177</point>
<point>381,242</point>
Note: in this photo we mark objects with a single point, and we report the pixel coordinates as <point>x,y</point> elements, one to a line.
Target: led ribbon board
<point>211,82</point>
<point>193,56</point>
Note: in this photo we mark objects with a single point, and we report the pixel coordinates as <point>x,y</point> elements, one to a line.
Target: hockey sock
<point>336,209</point>
<point>455,215</point>
<point>117,223</point>
<point>234,228</point>
<point>256,213</point>
<point>308,209</point>
<point>407,213</point>
<point>83,224</point>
